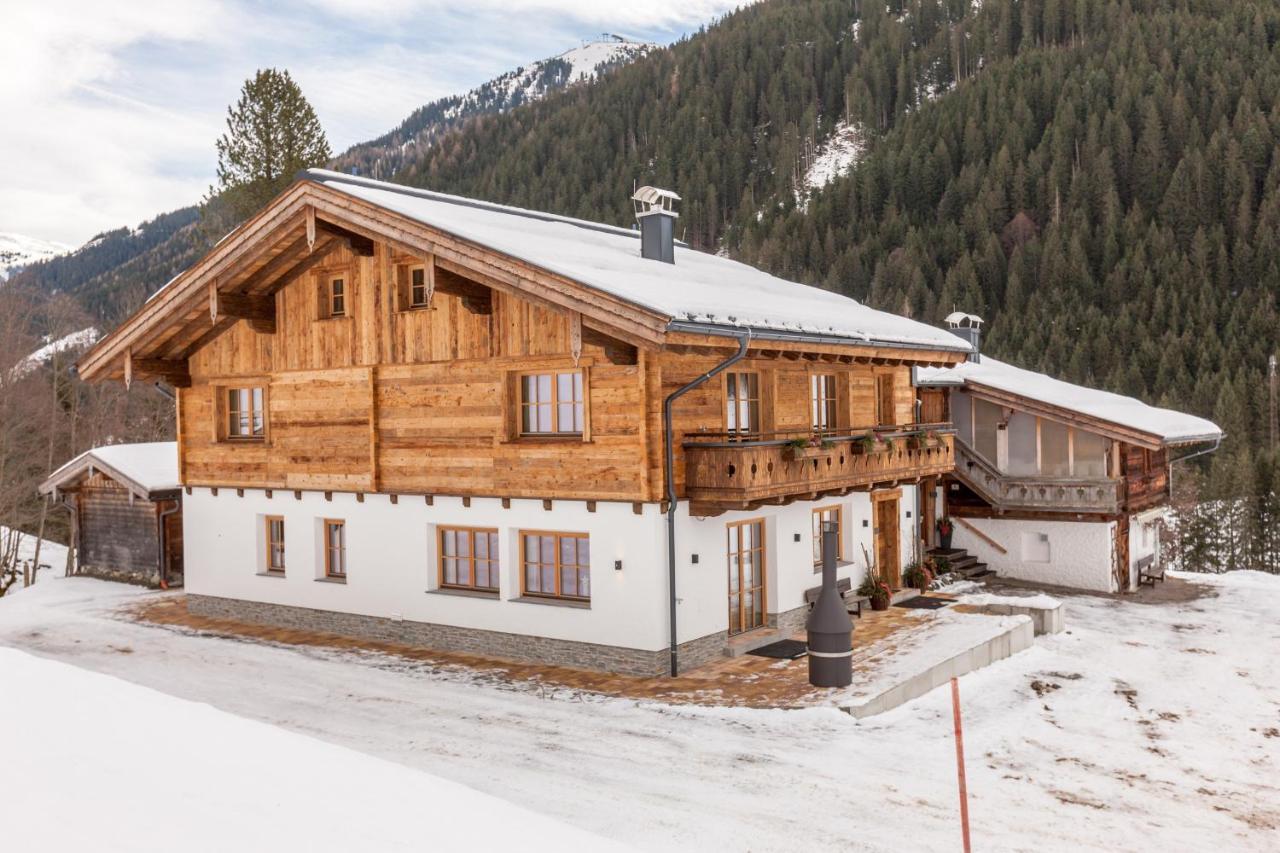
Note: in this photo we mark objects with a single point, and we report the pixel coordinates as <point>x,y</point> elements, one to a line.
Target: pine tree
<point>272,134</point>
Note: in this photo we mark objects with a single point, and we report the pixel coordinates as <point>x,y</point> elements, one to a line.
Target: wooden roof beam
<point>360,244</point>
<point>260,311</point>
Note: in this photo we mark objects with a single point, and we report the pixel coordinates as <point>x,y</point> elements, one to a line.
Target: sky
<point>109,109</point>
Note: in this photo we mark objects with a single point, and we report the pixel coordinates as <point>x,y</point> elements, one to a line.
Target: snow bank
<point>1123,411</point>
<point>103,765</point>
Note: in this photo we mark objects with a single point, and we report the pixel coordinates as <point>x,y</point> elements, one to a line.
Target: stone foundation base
<point>148,579</point>
<point>451,638</point>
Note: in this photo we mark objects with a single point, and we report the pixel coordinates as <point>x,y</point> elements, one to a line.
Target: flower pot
<point>945,539</point>
<point>796,453</point>
<point>879,602</point>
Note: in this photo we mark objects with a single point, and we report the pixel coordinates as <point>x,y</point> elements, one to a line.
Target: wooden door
<point>928,500</point>
<point>888,559</point>
<point>746,576</point>
<point>1121,568</point>
<point>173,549</point>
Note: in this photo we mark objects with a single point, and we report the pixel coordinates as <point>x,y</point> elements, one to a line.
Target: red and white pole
<point>964,791</point>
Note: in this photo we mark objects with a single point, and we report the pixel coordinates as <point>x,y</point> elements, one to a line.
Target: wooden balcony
<point>1012,492</point>
<point>724,472</point>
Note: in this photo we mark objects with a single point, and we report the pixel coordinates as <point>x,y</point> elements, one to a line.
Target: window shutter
<point>403,296</point>
<point>322,297</point>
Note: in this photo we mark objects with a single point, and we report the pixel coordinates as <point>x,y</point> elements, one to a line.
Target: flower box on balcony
<point>807,449</point>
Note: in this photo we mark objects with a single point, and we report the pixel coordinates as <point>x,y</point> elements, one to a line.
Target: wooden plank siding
<point>423,400</point>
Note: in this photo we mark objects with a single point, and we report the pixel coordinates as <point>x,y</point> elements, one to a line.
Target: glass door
<point>746,576</point>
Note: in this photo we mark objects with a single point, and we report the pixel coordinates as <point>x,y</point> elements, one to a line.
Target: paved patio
<point>893,649</point>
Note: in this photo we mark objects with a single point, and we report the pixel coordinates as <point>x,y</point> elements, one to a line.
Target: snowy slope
<point>839,153</point>
<point>207,780</point>
<point>383,157</point>
<point>71,343</point>
<point>18,251</point>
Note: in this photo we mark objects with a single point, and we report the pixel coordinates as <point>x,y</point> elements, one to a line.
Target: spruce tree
<point>272,133</point>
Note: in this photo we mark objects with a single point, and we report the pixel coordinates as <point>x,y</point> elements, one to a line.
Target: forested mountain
<point>383,157</point>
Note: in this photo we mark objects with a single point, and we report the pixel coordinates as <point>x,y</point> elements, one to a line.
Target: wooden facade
<point>411,384</point>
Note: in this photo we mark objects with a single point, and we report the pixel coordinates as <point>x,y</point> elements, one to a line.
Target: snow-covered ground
<point>1140,727</point>
<point>18,251</point>
<point>52,555</point>
<point>103,764</point>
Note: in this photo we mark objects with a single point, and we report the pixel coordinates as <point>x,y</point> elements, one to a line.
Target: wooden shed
<point>126,512</point>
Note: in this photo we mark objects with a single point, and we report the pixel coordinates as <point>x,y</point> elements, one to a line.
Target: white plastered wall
<point>1064,553</point>
<point>392,560</point>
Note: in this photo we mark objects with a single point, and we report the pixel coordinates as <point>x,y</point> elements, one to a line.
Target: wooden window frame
<point>324,279</point>
<point>557,535</point>
<point>731,528</point>
<point>827,402</point>
<point>271,568</point>
<point>333,297</point>
<point>520,405</point>
<point>495,565</point>
<point>415,302</point>
<point>223,412</point>
<point>329,573</point>
<point>733,403</point>
<point>816,518</point>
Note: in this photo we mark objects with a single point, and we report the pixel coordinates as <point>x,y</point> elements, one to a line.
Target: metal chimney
<point>829,626</point>
<point>968,327</point>
<point>655,211</point>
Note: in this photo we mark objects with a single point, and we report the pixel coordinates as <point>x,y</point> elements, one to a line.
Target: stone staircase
<point>963,563</point>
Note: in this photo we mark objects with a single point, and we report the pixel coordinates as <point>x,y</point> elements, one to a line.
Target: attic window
<point>418,294</point>
<point>246,414</point>
<point>337,293</point>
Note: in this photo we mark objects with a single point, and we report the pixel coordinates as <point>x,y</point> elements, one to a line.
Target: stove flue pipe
<point>829,626</point>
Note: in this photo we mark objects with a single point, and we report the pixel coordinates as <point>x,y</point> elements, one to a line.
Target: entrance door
<point>887,536</point>
<point>1121,568</point>
<point>746,576</point>
<point>928,499</point>
<point>173,549</point>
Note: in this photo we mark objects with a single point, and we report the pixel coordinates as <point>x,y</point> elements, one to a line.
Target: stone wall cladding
<point>790,621</point>
<point>148,579</point>
<point>450,638</point>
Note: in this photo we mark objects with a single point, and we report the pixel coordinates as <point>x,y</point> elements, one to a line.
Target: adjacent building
<point>1055,482</point>
<point>430,419</point>
<point>126,512</point>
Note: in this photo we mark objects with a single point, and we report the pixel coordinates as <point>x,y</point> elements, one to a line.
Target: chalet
<point>1055,482</point>
<point>126,512</point>
<point>419,417</point>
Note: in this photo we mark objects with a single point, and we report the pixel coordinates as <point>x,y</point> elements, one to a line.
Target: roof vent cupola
<point>968,327</point>
<point>656,213</point>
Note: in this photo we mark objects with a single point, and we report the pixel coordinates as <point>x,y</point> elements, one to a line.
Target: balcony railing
<point>1010,491</point>
<point>727,471</point>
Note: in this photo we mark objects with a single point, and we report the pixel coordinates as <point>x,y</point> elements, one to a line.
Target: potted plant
<point>945,529</point>
<point>917,575</point>
<point>917,441</point>
<point>867,443</point>
<point>808,448</point>
<point>876,589</point>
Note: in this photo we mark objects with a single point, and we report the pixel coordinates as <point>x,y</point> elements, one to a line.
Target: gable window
<point>742,398</point>
<point>337,292</point>
<point>556,565</point>
<point>335,549</point>
<point>246,414</point>
<point>822,402</point>
<point>552,403</point>
<point>275,544</point>
<point>469,559</point>
<point>418,293</point>
<point>822,515</point>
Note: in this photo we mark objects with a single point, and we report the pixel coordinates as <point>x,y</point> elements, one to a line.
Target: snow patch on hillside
<point>18,251</point>
<point>835,157</point>
<point>53,557</point>
<point>72,342</point>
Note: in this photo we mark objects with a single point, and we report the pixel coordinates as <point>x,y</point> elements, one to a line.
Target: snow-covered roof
<point>147,469</point>
<point>1165,424</point>
<point>699,287</point>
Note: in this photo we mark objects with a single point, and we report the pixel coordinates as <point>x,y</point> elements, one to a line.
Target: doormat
<point>782,650</point>
<point>922,602</point>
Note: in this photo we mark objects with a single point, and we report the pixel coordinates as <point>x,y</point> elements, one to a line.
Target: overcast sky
<point>109,108</point>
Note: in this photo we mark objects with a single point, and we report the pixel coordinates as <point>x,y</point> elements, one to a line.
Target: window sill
<point>271,574</point>
<point>336,319</point>
<point>840,564</point>
<point>491,595</point>
<point>413,309</point>
<point>553,602</point>
<point>571,439</point>
<point>331,580</point>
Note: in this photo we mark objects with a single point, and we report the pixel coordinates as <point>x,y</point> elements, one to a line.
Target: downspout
<point>744,339</point>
